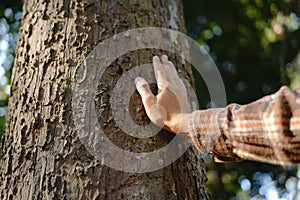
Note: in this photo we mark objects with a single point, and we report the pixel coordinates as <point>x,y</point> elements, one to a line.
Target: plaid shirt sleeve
<point>267,130</point>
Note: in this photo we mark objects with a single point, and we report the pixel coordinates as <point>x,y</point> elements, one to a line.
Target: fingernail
<point>138,81</point>
<point>164,57</point>
<point>155,59</point>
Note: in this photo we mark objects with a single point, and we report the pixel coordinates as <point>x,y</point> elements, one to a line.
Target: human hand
<point>169,108</point>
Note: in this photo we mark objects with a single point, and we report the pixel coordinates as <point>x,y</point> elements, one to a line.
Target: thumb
<point>147,96</point>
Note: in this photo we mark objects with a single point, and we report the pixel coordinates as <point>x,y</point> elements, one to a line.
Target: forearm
<point>267,130</point>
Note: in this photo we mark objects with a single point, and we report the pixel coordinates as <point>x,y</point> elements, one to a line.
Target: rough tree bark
<point>42,156</point>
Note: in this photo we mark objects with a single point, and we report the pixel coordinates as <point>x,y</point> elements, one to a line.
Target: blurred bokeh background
<point>256,46</point>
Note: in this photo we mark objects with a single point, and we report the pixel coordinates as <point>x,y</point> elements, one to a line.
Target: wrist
<point>179,123</point>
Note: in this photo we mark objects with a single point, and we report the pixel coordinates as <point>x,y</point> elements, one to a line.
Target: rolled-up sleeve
<point>267,130</point>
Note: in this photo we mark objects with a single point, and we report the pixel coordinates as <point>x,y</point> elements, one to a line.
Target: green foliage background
<point>255,45</point>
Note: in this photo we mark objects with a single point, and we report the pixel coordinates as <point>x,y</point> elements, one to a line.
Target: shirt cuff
<point>208,134</point>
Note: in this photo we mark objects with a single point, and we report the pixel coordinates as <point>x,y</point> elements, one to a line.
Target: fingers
<point>166,63</point>
<point>165,71</point>
<point>156,60</point>
<point>147,96</point>
<point>159,72</point>
<point>164,60</point>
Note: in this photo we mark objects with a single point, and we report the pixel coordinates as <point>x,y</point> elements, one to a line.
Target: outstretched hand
<point>169,107</point>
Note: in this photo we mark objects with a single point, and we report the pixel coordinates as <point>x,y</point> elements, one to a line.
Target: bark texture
<point>43,158</point>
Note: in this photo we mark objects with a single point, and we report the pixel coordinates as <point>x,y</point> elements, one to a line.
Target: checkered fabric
<point>267,130</point>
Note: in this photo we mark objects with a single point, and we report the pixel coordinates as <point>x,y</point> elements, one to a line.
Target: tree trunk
<point>43,156</point>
